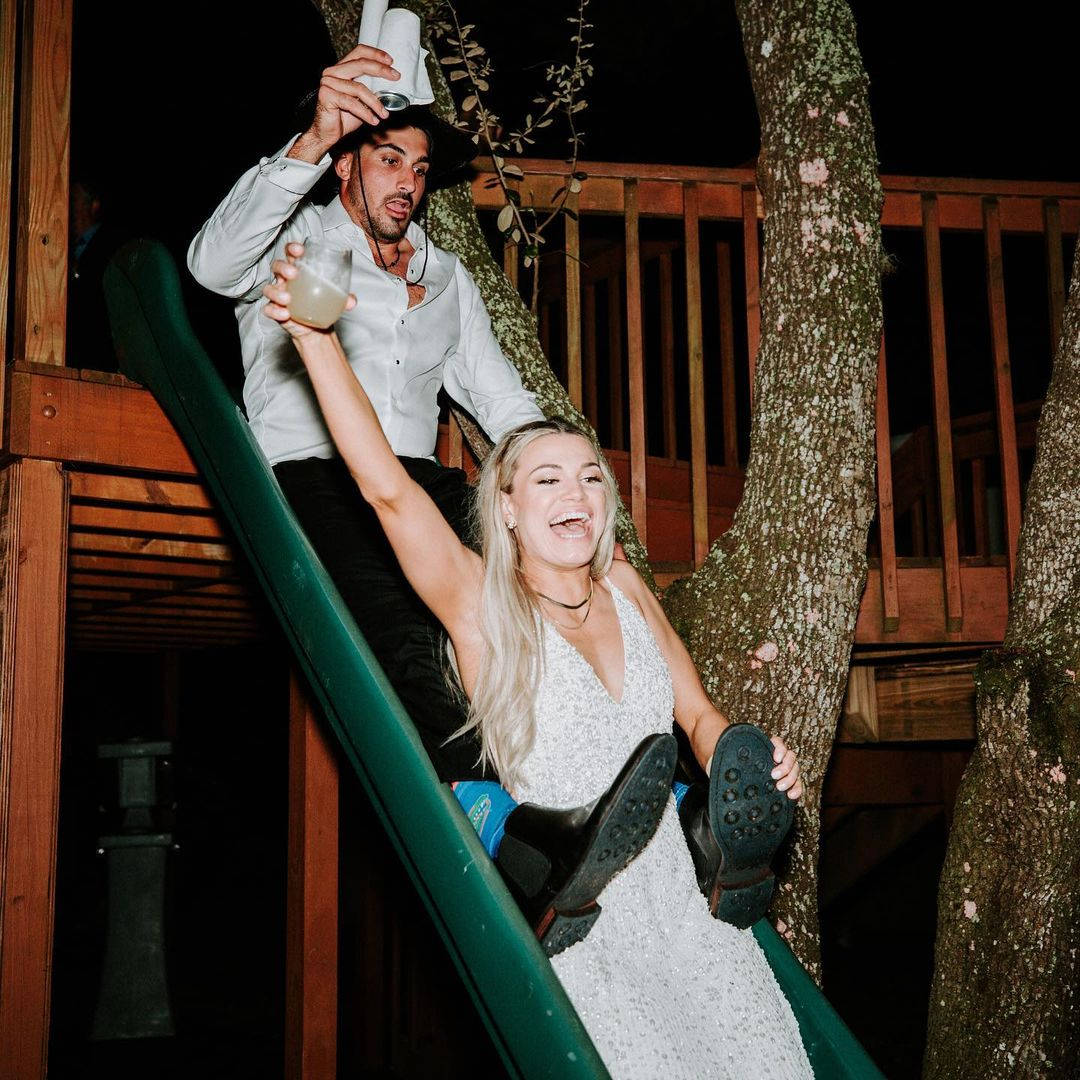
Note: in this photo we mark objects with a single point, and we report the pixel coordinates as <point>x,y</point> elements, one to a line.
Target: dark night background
<point>167,114</point>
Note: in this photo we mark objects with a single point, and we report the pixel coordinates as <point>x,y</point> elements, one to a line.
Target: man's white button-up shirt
<point>401,355</point>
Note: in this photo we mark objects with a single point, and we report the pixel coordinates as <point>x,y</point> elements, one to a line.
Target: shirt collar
<point>335,216</point>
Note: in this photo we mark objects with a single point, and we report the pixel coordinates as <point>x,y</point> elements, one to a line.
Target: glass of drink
<point>320,290</point>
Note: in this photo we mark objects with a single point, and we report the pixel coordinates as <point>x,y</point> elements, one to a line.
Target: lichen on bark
<point>769,618</point>
<point>1003,999</point>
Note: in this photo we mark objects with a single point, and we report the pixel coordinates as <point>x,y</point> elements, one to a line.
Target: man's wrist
<point>308,147</point>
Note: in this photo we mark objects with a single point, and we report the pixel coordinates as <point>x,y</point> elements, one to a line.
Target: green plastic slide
<point>520,1000</point>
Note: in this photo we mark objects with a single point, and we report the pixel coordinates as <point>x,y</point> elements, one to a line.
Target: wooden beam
<point>667,354</point>
<point>1055,268</point>
<point>589,356</point>
<point>138,490</point>
<point>726,310</point>
<point>635,359</point>
<point>572,262</point>
<point>41,247</point>
<point>144,522</point>
<point>312,906</point>
<point>456,443</point>
<point>71,419</point>
<point>1003,391</point>
<point>33,506</point>
<point>890,599</point>
<point>752,266</point>
<point>954,613</point>
<point>699,493</point>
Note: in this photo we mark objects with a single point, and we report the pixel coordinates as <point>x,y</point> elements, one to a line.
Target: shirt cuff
<point>291,174</point>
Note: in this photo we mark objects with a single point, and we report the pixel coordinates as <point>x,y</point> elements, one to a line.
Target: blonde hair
<point>504,694</point>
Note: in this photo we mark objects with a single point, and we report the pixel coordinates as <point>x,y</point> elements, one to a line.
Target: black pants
<point>405,637</point>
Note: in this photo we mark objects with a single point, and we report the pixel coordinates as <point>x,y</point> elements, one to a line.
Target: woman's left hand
<point>277,292</point>
<point>786,769</point>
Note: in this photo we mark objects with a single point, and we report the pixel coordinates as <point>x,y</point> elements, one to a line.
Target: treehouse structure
<point>116,539</point>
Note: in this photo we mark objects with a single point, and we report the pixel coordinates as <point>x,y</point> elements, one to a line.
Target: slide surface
<point>521,1002</point>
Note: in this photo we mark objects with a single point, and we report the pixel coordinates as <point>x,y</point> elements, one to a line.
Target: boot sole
<point>749,819</point>
<point>620,834</point>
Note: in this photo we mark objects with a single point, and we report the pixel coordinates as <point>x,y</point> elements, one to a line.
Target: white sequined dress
<point>665,990</point>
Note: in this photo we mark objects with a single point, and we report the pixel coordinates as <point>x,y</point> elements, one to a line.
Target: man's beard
<point>385,229</point>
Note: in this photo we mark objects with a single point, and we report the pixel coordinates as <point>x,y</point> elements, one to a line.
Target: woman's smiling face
<point>558,501</point>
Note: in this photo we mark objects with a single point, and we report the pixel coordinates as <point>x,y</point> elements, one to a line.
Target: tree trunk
<point>1004,994</point>
<point>769,618</point>
<point>455,227</point>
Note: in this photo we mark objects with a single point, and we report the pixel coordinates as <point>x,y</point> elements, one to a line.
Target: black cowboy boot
<point>557,862</point>
<point>735,824</point>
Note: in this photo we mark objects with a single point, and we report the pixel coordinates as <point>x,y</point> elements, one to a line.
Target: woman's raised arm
<point>445,574</point>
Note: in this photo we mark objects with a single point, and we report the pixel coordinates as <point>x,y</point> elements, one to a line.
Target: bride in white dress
<point>563,689</point>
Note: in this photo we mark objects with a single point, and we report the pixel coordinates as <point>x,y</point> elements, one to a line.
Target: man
<point>419,324</point>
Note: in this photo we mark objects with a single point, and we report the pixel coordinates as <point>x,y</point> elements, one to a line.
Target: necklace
<point>568,607</point>
<point>385,265</point>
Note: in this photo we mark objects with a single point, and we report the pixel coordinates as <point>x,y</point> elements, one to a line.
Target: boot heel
<point>742,905</point>
<point>566,929</point>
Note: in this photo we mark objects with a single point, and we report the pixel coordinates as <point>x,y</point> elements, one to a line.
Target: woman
<point>569,662</point>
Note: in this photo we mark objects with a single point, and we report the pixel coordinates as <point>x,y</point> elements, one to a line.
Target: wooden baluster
<point>573,306</point>
<point>615,362</point>
<point>979,521</point>
<point>954,612</point>
<point>1055,269</point>
<point>33,578</point>
<point>699,480</point>
<point>752,264</point>
<point>311,953</point>
<point>543,315</point>
<point>890,594</point>
<point>510,261</point>
<point>589,354</point>
<point>41,243</point>
<point>635,360</point>
<point>667,355</point>
<point>1003,394</point>
<point>725,307</point>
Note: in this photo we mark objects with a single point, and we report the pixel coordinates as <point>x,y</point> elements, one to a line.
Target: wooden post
<point>635,359</point>
<point>615,362</point>
<point>33,516</point>
<point>312,904</point>
<point>1055,268</point>
<point>41,245</point>
<point>725,307</point>
<point>1003,394</point>
<point>667,355</point>
<point>455,442</point>
<point>7,179</point>
<point>890,596</point>
<point>752,264</point>
<point>699,486</point>
<point>572,261</point>
<point>954,614</point>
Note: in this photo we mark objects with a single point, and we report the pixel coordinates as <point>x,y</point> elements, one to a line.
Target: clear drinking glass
<point>320,290</point>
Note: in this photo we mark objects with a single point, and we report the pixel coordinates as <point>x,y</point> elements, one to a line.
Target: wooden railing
<point>697,354</point>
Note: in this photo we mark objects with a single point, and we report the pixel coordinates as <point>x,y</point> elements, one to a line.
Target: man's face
<point>393,168</point>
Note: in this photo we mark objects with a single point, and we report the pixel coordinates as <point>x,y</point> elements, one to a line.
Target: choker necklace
<point>568,607</point>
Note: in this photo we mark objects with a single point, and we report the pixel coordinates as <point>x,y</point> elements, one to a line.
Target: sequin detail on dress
<point>664,989</point>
